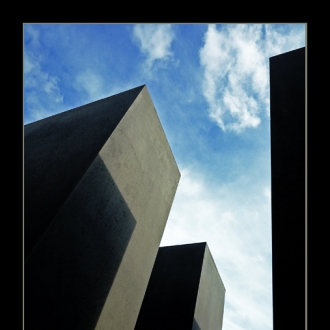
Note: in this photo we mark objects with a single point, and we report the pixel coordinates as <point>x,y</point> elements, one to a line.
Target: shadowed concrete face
<point>58,151</point>
<point>90,266</point>
<point>185,291</point>
<point>195,325</point>
<point>69,273</point>
<point>287,112</point>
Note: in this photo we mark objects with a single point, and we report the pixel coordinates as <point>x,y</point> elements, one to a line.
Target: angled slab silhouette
<point>99,184</point>
<point>185,291</point>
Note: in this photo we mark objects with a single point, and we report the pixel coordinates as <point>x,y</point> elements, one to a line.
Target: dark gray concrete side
<point>287,115</point>
<point>91,265</point>
<point>184,291</point>
<point>57,153</point>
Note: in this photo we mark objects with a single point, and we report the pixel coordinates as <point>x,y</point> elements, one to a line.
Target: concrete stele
<point>90,266</point>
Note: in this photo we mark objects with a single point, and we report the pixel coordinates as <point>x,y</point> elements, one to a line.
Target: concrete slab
<point>89,263</point>
<point>58,150</point>
<point>185,291</point>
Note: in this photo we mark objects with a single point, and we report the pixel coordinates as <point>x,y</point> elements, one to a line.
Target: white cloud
<point>281,38</point>
<point>29,64</point>
<point>42,92</point>
<point>92,83</point>
<point>235,62</point>
<point>268,193</point>
<point>31,35</point>
<point>93,86</point>
<point>239,237</point>
<point>41,89</point>
<point>154,41</point>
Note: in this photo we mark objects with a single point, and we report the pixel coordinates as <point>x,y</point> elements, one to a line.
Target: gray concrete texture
<point>185,291</point>
<point>99,184</point>
<point>211,296</point>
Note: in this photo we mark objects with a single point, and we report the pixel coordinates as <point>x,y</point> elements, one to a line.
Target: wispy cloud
<point>31,35</point>
<point>154,41</point>
<point>91,83</point>
<point>283,38</point>
<point>235,62</point>
<point>42,91</point>
<point>238,234</point>
<point>268,193</point>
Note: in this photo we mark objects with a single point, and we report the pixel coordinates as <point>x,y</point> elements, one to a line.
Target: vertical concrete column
<point>287,120</point>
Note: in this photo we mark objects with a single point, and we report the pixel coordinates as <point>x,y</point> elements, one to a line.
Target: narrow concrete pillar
<point>288,157</point>
<point>185,291</point>
<point>99,184</point>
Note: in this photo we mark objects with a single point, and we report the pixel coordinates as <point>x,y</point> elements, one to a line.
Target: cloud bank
<point>237,230</point>
<point>235,62</point>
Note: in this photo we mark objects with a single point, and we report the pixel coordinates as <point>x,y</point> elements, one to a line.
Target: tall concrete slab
<point>99,184</point>
<point>185,291</point>
<point>287,117</point>
<point>57,153</point>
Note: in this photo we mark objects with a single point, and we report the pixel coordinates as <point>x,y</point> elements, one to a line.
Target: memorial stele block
<point>185,291</point>
<point>99,181</point>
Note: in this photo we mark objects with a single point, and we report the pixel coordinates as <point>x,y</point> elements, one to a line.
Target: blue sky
<point>210,87</point>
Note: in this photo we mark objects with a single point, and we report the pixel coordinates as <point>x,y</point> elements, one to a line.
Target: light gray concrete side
<point>91,266</point>
<point>211,296</point>
<point>138,150</point>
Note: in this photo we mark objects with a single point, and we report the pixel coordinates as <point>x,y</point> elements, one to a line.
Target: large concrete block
<point>185,291</point>
<point>288,120</point>
<point>99,184</point>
